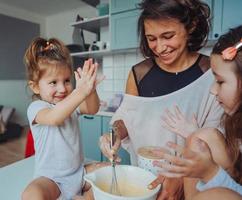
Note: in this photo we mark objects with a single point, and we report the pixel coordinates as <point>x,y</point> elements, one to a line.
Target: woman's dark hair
<point>194,14</point>
<point>233,123</point>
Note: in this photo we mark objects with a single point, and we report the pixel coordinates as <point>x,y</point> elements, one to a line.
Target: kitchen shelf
<point>100,53</point>
<point>93,25</point>
<point>93,3</point>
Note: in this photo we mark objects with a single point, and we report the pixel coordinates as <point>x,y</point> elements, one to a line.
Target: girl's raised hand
<point>86,78</point>
<point>196,163</point>
<point>177,123</point>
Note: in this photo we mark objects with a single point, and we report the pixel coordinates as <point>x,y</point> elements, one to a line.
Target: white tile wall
<point>116,68</point>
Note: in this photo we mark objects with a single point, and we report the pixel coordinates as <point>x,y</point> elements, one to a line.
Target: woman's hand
<point>177,123</point>
<point>104,144</point>
<point>172,188</point>
<point>86,78</point>
<point>196,163</point>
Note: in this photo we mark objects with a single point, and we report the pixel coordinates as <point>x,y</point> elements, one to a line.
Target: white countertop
<point>15,177</point>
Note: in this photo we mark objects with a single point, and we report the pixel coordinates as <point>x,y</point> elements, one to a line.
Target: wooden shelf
<point>93,25</point>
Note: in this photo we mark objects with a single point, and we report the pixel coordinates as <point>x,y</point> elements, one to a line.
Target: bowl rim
<point>153,192</point>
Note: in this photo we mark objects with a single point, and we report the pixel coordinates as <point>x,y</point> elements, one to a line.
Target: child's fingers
<point>76,75</point>
<point>92,68</point>
<point>184,151</point>
<point>179,149</point>
<point>170,115</point>
<point>168,127</point>
<point>178,113</point>
<point>94,75</point>
<point>169,167</point>
<point>79,70</point>
<point>86,66</point>
<point>168,121</point>
<point>99,79</point>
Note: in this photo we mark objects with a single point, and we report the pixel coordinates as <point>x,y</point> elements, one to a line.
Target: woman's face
<point>166,38</point>
<point>227,84</point>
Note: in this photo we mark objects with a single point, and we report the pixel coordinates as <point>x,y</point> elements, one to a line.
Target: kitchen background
<point>117,29</point>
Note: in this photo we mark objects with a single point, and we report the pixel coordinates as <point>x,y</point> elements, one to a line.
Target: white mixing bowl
<point>132,182</point>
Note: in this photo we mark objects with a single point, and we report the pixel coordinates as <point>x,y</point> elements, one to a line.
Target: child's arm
<point>91,104</point>
<point>63,109</point>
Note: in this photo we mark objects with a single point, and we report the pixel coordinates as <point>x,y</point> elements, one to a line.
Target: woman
<point>171,32</point>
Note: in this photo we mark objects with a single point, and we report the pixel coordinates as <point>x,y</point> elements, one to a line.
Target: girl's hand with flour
<point>177,123</point>
<point>195,161</point>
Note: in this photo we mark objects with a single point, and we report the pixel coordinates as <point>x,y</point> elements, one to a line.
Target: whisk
<point>114,189</point>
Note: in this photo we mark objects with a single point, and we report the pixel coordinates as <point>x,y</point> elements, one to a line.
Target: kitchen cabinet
<point>91,132</point>
<point>121,24</point>
<point>124,21</point>
<point>124,30</point>
<point>226,14</point>
<point>124,5</point>
<point>92,127</point>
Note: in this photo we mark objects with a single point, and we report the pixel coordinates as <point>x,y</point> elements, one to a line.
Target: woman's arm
<point>131,87</point>
<point>118,125</point>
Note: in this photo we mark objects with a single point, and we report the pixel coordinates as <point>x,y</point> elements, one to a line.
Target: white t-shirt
<point>58,150</point>
<point>221,179</point>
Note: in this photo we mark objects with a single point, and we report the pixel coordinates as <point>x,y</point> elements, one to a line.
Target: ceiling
<point>44,7</point>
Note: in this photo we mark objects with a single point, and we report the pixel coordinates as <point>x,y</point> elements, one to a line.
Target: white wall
<point>23,14</point>
<point>13,92</point>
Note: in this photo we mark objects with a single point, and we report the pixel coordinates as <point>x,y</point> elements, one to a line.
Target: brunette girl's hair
<point>194,14</point>
<point>233,123</point>
<point>47,52</point>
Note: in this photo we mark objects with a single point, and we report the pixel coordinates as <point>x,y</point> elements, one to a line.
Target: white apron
<point>142,115</point>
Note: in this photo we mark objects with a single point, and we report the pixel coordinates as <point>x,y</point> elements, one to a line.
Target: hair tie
<point>230,52</point>
<point>48,46</point>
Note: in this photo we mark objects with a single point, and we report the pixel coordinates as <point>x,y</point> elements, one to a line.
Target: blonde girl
<point>53,119</point>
